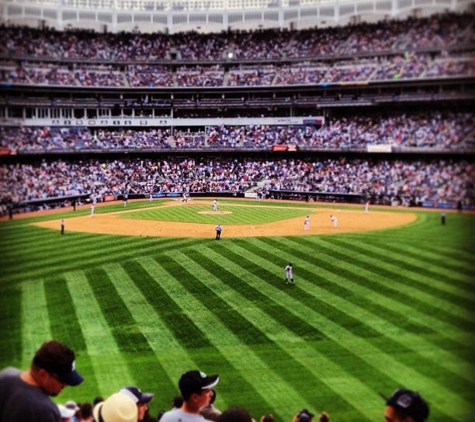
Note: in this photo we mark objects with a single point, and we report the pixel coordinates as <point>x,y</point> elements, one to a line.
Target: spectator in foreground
<point>66,414</point>
<point>72,405</point>
<point>210,412</point>
<point>406,406</point>
<point>269,417</point>
<point>116,408</point>
<point>139,398</point>
<point>97,400</point>
<point>235,414</point>
<point>303,416</point>
<point>195,388</point>
<point>24,394</point>
<point>177,402</point>
<point>85,412</point>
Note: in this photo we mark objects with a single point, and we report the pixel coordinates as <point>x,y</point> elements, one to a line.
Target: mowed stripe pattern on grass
<point>366,315</point>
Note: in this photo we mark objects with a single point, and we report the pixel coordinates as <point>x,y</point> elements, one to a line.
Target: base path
<point>348,221</point>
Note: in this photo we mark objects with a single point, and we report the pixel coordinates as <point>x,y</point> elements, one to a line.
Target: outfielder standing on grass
<point>289,276</point>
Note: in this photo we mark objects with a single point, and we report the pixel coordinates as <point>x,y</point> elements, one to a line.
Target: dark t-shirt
<point>20,401</point>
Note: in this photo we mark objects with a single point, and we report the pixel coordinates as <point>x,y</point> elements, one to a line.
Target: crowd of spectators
<point>149,75</point>
<point>437,180</point>
<point>195,401</point>
<point>101,77</point>
<point>249,76</point>
<point>359,53</point>
<point>199,76</point>
<point>322,55</point>
<point>369,69</point>
<point>51,44</point>
<point>428,129</point>
<point>442,31</point>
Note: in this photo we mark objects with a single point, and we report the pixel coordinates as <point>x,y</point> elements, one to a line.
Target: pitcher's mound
<point>215,212</point>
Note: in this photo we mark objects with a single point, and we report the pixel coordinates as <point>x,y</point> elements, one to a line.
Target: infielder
<point>215,205</point>
<point>289,276</point>
<point>306,223</point>
<point>335,221</point>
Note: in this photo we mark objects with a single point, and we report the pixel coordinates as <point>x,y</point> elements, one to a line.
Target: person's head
<point>140,398</point>
<point>305,416</point>
<point>267,418</point>
<point>235,414</point>
<point>66,414</point>
<point>213,396</point>
<point>324,417</point>
<point>85,410</point>
<point>54,367</point>
<point>72,405</point>
<point>195,388</point>
<point>116,408</point>
<point>177,402</point>
<point>406,406</point>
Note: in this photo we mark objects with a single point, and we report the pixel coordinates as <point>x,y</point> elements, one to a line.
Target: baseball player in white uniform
<point>334,220</point>
<point>306,223</point>
<point>289,276</point>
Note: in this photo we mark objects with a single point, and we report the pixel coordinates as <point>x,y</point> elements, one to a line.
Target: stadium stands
<point>308,105</point>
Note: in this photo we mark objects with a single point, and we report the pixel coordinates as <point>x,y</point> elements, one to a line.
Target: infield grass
<point>228,214</point>
<point>371,311</point>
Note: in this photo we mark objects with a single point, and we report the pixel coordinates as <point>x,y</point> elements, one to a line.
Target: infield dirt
<point>348,221</point>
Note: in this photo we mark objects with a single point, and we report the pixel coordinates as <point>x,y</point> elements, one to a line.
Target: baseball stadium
<point>337,137</point>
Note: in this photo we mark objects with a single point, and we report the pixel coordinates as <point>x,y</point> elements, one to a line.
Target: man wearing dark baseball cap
<point>406,406</point>
<point>196,390</point>
<point>24,394</point>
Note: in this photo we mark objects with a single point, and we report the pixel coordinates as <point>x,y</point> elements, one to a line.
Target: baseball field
<point>145,293</point>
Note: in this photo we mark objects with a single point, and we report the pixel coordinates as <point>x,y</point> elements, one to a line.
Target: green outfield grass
<point>370,311</point>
